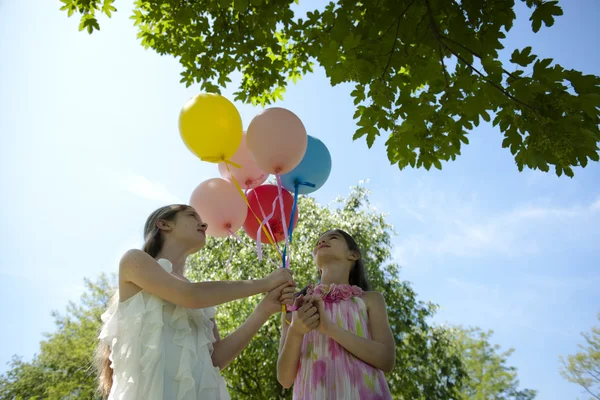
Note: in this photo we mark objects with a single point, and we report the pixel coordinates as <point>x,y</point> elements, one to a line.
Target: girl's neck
<point>336,275</point>
<point>176,254</point>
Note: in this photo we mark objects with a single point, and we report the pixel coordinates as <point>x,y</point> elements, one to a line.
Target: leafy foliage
<point>583,368</point>
<point>432,362</point>
<point>63,369</point>
<point>489,376</point>
<point>427,365</point>
<point>425,72</point>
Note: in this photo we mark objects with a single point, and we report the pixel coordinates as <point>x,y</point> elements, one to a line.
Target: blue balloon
<point>314,168</point>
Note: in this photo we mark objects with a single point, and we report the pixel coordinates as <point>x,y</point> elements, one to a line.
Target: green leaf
<point>523,57</point>
<point>590,103</point>
<point>545,13</point>
<point>238,5</point>
<point>69,6</point>
<point>89,22</point>
<point>108,8</point>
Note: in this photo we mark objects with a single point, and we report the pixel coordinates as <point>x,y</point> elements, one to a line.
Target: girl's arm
<point>227,349</point>
<point>142,270</point>
<point>380,351</point>
<point>305,319</point>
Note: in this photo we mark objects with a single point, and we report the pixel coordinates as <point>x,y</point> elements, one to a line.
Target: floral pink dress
<point>326,369</point>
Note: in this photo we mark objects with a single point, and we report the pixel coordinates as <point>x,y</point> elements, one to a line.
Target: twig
<point>475,54</point>
<point>436,32</point>
<point>485,78</point>
<point>396,37</point>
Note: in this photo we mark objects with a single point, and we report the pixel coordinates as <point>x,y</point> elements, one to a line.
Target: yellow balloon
<point>211,127</point>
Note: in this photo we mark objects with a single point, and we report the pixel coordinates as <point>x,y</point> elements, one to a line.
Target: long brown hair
<point>153,243</point>
<point>358,273</point>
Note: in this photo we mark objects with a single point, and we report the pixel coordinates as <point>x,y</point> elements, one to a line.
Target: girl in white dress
<point>159,340</point>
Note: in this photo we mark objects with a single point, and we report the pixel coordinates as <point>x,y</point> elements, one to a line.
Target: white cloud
<point>440,224</point>
<point>523,307</point>
<point>489,305</point>
<point>147,189</point>
<point>138,185</point>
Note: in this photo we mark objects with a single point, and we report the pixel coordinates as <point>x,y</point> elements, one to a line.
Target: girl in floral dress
<point>338,344</point>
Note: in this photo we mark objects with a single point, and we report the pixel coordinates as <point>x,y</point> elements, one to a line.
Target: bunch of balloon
<point>301,163</point>
<point>274,143</point>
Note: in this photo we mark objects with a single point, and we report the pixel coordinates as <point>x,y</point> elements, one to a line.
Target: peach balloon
<point>277,140</point>
<point>220,205</point>
<point>249,175</point>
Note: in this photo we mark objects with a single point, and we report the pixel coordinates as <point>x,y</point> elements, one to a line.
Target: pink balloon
<point>249,175</point>
<point>277,139</point>
<point>220,205</point>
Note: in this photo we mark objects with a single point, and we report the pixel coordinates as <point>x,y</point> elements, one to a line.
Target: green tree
<point>432,362</point>
<point>64,367</point>
<point>583,368</point>
<point>424,72</point>
<point>489,375</point>
<point>427,366</point>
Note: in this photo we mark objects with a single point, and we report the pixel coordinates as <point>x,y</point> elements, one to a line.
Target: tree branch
<point>485,78</point>
<point>475,54</point>
<point>396,37</point>
<point>436,32</point>
<point>590,392</point>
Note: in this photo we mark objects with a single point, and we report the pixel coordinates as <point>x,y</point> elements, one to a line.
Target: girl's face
<point>332,246</point>
<point>187,228</point>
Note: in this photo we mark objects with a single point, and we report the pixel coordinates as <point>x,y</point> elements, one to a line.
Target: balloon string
<point>239,239</point>
<point>262,225</point>
<point>231,250</point>
<point>241,192</point>
<point>221,159</point>
<point>283,221</point>
<point>291,226</point>
<point>264,215</point>
<point>285,231</point>
<point>288,249</point>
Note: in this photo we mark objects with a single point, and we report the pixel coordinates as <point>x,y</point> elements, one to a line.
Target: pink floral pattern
<point>327,370</point>
<point>334,293</point>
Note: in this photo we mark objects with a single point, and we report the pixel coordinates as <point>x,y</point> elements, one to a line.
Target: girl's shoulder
<point>373,299</point>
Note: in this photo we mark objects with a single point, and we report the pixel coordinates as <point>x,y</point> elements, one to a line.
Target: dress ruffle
<point>334,293</point>
<point>134,331</point>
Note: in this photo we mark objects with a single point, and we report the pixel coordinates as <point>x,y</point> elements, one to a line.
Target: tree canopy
<point>432,362</point>
<point>424,72</point>
<point>583,367</point>
<point>490,376</point>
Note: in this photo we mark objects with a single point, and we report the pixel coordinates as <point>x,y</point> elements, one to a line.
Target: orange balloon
<point>277,139</point>
<point>220,205</point>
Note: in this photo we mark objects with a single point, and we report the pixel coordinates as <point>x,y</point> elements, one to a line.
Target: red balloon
<point>263,196</point>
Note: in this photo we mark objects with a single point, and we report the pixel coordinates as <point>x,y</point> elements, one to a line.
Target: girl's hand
<point>283,294</point>
<point>287,296</point>
<point>305,318</point>
<point>277,278</point>
<point>325,323</point>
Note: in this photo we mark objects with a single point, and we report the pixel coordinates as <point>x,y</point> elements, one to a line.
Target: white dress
<point>161,351</point>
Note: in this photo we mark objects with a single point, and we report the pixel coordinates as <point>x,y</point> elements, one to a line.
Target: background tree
<point>427,366</point>
<point>425,72</point>
<point>489,375</point>
<point>583,368</point>
<point>63,369</point>
<point>432,362</point>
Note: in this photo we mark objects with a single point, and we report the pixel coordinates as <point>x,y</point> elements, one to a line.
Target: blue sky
<point>90,146</point>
